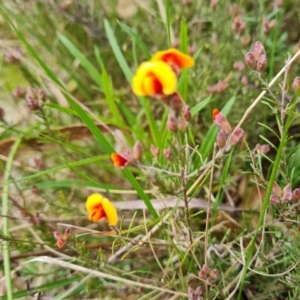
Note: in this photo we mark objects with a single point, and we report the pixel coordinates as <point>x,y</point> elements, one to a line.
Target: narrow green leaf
<point>199,106</point>
<point>137,39</point>
<point>117,51</point>
<point>86,64</point>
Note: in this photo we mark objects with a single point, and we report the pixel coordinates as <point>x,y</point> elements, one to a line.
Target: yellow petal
<point>174,56</point>
<point>110,212</point>
<point>154,78</point>
<point>92,201</point>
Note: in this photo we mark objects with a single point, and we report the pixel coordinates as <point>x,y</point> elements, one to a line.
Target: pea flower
<point>62,238</point>
<point>119,160</point>
<point>99,208</point>
<point>154,78</point>
<point>174,57</point>
<point>221,121</point>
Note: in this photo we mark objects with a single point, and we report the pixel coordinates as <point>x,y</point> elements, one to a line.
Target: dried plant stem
<point>208,210</point>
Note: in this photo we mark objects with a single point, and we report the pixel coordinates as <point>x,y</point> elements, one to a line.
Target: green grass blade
<point>117,51</point>
<point>199,106</point>
<point>168,20</point>
<point>137,39</point>
<point>86,64</point>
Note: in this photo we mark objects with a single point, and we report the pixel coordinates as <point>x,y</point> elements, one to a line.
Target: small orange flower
<point>119,160</point>
<point>174,57</point>
<point>154,78</point>
<point>62,238</point>
<point>99,207</point>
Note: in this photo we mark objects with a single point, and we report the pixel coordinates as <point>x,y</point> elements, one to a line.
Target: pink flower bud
<point>237,136</point>
<point>187,113</point>
<point>176,103</point>
<point>274,199</point>
<point>168,153</point>
<point>277,190</point>
<point>239,66</point>
<point>244,80</point>
<point>296,194</point>
<point>209,280</point>
<point>262,148</point>
<point>192,49</point>
<point>258,50</point>
<point>154,151</point>
<point>202,275</point>
<point>19,92</point>
<point>221,121</point>
<point>261,64</point>
<point>205,268</point>
<point>172,124</point>
<point>287,193</point>
<point>250,60</point>
<point>221,139</point>
<point>214,273</point>
<point>137,151</point>
<point>296,85</point>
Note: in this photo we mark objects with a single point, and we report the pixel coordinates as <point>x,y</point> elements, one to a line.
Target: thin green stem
<point>5,227</point>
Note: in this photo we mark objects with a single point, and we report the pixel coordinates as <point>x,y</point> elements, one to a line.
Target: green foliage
<point>83,55</point>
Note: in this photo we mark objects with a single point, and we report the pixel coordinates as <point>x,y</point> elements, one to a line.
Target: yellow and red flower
<point>174,57</point>
<point>154,78</point>
<point>119,160</point>
<point>99,208</point>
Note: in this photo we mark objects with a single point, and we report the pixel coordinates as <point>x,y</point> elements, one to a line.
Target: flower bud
<point>221,121</point>
<point>274,199</point>
<point>250,60</point>
<point>258,50</point>
<point>262,148</point>
<point>237,136</point>
<point>277,190</point>
<point>287,193</point>
<point>261,64</point>
<point>172,124</point>
<point>244,80</point>
<point>154,151</point>
<point>137,151</point>
<point>187,113</point>
<point>296,194</point>
<point>19,92</point>
<point>168,153</point>
<point>221,139</point>
<point>40,94</point>
<point>205,268</point>
<point>239,66</point>
<point>296,85</point>
<point>176,103</point>
<point>192,49</point>
<point>214,273</point>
